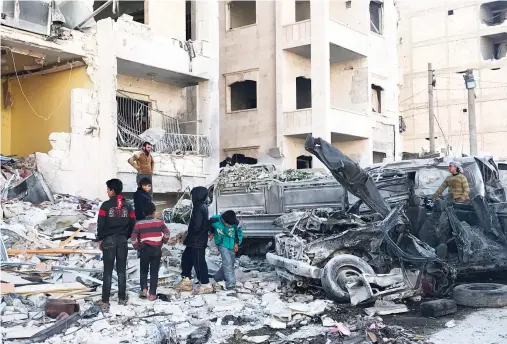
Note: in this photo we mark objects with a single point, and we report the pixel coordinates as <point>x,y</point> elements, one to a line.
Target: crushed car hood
<point>348,174</point>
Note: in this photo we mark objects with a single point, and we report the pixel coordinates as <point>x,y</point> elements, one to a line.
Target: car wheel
<point>488,295</point>
<point>338,272</point>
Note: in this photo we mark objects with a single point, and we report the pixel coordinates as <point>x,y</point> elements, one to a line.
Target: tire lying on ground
<point>481,295</point>
<point>338,271</point>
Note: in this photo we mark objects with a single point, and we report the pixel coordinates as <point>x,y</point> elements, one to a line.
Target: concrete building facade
<point>292,68</point>
<point>81,98</point>
<point>454,36</point>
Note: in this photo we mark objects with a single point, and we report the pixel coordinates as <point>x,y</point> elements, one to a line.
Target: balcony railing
<point>135,117</point>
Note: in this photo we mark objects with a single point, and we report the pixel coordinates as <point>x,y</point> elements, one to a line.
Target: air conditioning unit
<point>34,15</point>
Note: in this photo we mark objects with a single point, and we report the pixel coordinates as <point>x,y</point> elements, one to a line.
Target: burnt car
<point>391,241</point>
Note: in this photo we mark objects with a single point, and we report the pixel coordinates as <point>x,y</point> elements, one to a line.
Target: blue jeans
<point>226,271</point>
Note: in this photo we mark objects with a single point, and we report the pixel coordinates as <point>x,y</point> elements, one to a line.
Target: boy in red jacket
<point>147,237</point>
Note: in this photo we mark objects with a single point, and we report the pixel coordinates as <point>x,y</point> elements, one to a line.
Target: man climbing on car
<point>457,184</point>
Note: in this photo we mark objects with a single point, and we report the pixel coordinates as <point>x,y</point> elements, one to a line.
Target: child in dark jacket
<point>148,236</point>
<point>114,226</point>
<point>196,243</point>
<point>142,198</point>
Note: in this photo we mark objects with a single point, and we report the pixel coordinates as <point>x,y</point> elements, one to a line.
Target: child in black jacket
<point>142,198</point>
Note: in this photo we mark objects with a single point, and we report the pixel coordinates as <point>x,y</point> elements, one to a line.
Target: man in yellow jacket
<point>457,184</point>
<point>143,162</point>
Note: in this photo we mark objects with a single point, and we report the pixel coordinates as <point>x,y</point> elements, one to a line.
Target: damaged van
<point>391,241</point>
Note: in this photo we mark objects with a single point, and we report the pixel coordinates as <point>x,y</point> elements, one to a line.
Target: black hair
<point>149,209</point>
<point>144,181</point>
<point>230,218</point>
<point>146,143</point>
<point>116,185</point>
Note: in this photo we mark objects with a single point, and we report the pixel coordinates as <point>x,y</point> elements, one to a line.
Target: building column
<point>208,106</point>
<point>320,69</point>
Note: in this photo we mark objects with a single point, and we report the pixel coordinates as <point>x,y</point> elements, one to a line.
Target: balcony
<point>342,123</point>
<point>350,123</point>
<point>297,122</point>
<point>345,43</point>
<point>169,61</point>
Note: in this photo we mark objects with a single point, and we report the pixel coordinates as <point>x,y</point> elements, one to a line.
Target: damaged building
<point>83,80</point>
<point>292,68</point>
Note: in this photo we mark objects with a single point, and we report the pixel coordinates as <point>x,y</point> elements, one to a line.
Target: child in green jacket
<point>228,236</point>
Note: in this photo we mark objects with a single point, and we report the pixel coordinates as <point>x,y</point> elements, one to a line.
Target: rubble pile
<point>244,175</point>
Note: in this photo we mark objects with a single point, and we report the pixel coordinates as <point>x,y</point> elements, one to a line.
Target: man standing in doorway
<point>143,162</point>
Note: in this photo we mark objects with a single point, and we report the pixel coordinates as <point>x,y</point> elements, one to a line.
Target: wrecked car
<point>391,250</point>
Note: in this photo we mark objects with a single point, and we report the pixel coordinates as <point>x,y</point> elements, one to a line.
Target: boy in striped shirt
<point>148,236</point>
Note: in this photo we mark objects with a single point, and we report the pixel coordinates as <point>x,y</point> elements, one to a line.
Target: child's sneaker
<point>153,297</point>
<point>104,306</point>
<point>205,289</point>
<point>143,294</point>
<point>184,285</point>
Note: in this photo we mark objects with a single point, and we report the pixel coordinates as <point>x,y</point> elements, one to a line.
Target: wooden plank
<point>53,251</point>
<point>10,278</point>
<point>49,288</point>
<point>86,235</point>
<point>69,239</point>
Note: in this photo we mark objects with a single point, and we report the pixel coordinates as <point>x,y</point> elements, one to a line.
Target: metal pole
<point>472,125</point>
<point>430,109</point>
<point>97,11</point>
<point>472,122</point>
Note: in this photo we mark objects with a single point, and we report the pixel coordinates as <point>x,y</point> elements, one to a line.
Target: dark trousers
<point>195,258</point>
<point>114,248</point>
<point>150,260</point>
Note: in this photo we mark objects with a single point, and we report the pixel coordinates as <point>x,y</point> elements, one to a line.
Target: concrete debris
<point>385,308</point>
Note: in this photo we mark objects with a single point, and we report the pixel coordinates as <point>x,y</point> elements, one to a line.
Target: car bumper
<point>294,267</point>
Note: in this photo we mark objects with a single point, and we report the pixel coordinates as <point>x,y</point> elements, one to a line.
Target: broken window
<point>242,13</point>
<point>238,159</point>
<point>376,10</point>
<point>494,13</point>
<point>243,95</point>
<point>304,162</point>
<point>302,10</point>
<point>494,47</point>
<point>189,20</point>
<point>303,93</point>
<point>132,8</point>
<point>376,98</point>
<point>378,157</point>
<point>133,119</point>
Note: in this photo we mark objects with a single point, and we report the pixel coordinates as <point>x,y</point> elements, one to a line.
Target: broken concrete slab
<point>438,308</point>
<point>386,308</point>
<point>58,223</point>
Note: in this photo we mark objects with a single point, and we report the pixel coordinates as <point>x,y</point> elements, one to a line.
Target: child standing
<point>142,198</point>
<point>228,235</point>
<point>147,237</point>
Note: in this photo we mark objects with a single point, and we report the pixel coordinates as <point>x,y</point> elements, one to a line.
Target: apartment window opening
<point>493,13</point>
<point>242,13</point>
<point>376,98</point>
<point>132,8</point>
<point>378,157</point>
<point>303,162</point>
<point>376,13</point>
<point>302,10</point>
<point>494,47</point>
<point>238,159</point>
<point>303,93</point>
<point>243,95</point>
<point>189,20</point>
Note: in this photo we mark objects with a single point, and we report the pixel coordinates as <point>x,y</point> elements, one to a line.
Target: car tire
<point>481,295</point>
<point>341,264</point>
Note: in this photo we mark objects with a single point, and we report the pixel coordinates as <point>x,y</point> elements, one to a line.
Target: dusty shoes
<point>205,289</point>
<point>122,302</point>
<point>104,306</point>
<point>184,285</point>
<point>143,294</point>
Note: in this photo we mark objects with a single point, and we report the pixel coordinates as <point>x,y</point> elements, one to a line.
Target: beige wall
<point>452,43</point>
<point>349,85</point>
<point>244,50</point>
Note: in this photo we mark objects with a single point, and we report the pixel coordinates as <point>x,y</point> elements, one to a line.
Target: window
<point>242,13</point>
<point>132,8</point>
<point>376,98</point>
<point>376,16</point>
<point>348,4</point>
<point>378,157</point>
<point>189,20</point>
<point>303,93</point>
<point>450,12</point>
<point>304,162</point>
<point>302,10</point>
<point>238,159</point>
<point>494,47</point>
<point>243,95</point>
<point>133,119</point>
<point>493,13</point>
